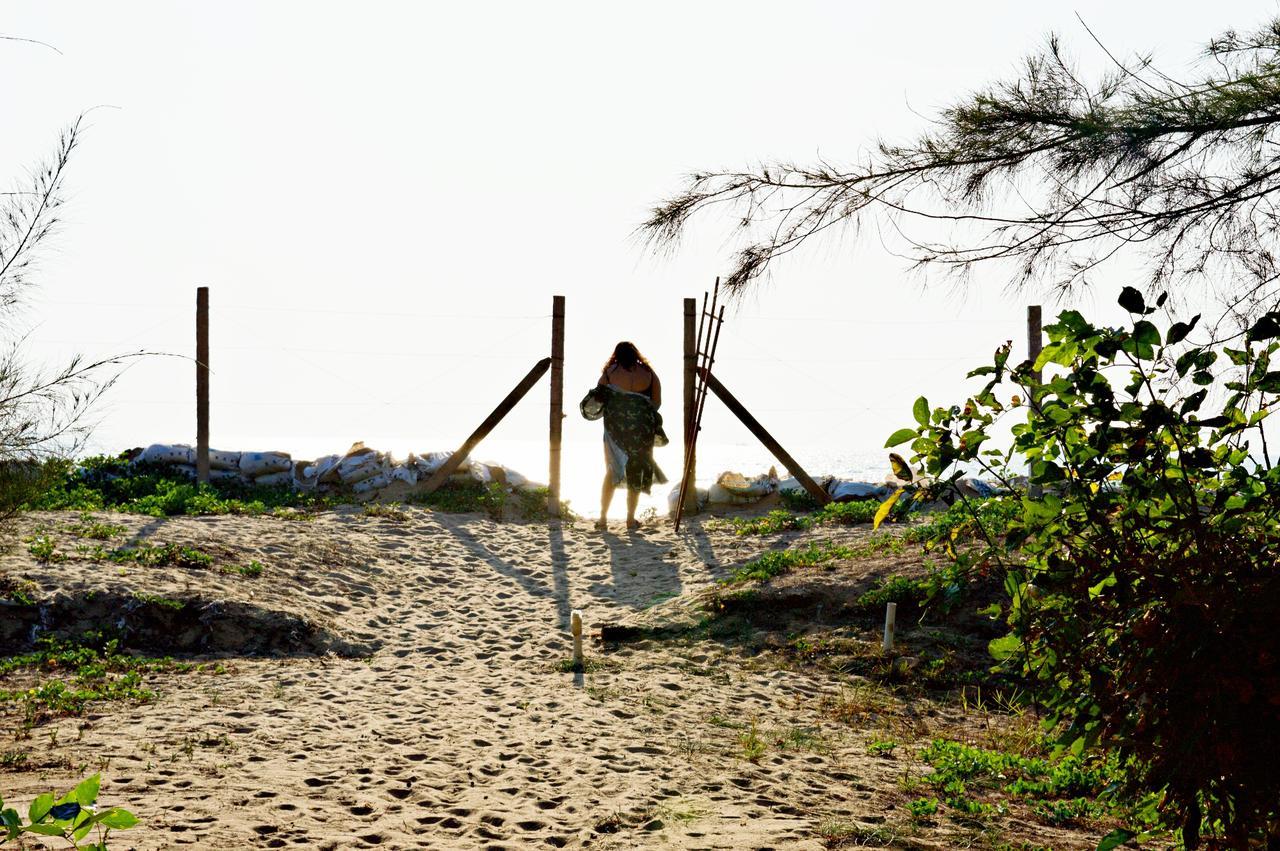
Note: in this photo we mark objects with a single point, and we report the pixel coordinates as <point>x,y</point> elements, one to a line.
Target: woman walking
<point>628,396</point>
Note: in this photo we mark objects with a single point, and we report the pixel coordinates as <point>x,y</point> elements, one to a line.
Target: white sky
<point>383,198</point>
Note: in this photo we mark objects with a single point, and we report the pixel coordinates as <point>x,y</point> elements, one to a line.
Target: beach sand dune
<point>450,721</point>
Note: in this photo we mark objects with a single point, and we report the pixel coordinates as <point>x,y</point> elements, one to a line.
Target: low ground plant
<point>74,817</point>
<point>72,674</point>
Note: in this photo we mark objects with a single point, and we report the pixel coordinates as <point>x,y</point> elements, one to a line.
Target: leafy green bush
<point>1142,582</point>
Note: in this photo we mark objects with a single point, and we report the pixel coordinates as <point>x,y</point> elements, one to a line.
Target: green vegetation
<point>156,555</point>
<point>77,673</point>
<point>1140,584</point>
<point>386,511</point>
<point>832,514</point>
<point>492,499</point>
<point>752,746</point>
<point>71,818</point>
<point>973,782</point>
<point>111,483</point>
<point>252,570</point>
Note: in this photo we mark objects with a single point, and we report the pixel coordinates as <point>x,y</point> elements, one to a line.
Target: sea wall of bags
<point>361,470</point>
<point>732,488</point>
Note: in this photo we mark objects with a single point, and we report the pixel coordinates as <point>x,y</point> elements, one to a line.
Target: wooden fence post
<point>690,396</point>
<point>557,402</point>
<point>202,384</point>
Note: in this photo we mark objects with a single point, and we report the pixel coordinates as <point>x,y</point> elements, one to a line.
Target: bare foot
<point>633,524</point>
<point>602,524</point>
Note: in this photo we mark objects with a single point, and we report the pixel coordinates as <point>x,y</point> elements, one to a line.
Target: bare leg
<point>633,499</point>
<point>606,492</point>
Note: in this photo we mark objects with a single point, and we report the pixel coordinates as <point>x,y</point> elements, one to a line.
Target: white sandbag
<point>276,479</point>
<point>359,464</point>
<point>254,464</point>
<point>842,491</point>
<point>324,470</point>
<point>753,489</point>
<point>432,461</point>
<point>373,483</point>
<point>516,480</point>
<point>221,460</point>
<point>718,494</point>
<point>185,470</point>
<point>673,498</point>
<point>166,453</point>
<point>301,481</point>
<point>404,473</point>
<point>225,476</point>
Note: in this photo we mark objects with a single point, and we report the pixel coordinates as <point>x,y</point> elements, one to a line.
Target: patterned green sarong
<point>632,426</point>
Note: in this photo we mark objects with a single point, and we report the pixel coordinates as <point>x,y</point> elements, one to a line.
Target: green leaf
<point>44,829</point>
<point>118,818</point>
<point>1004,647</point>
<point>902,435</point>
<point>1178,331</point>
<point>885,507</point>
<point>992,611</point>
<point>40,807</point>
<point>87,791</point>
<point>1146,333</point>
<point>920,410</point>
<point>1132,300</point>
<point>1115,839</point>
<point>1264,329</point>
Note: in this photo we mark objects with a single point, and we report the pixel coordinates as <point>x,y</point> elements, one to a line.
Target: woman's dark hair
<point>626,355</point>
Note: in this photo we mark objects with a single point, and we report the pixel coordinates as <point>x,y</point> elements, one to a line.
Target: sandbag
<point>404,473</point>
<point>842,491</point>
<point>165,453</point>
<point>276,479</point>
<point>324,470</point>
<point>373,483</point>
<point>673,498</point>
<point>353,470</point>
<point>185,470</point>
<point>432,461</point>
<point>740,486</point>
<point>220,460</point>
<point>254,464</point>
<point>225,476</point>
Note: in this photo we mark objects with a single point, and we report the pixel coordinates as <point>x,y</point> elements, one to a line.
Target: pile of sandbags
<point>361,470</point>
<point>250,468</point>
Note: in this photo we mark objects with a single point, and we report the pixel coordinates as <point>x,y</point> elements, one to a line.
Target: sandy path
<point>460,732</point>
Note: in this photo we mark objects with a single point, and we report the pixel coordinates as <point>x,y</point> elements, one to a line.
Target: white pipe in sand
<point>890,619</point>
<point>575,626</point>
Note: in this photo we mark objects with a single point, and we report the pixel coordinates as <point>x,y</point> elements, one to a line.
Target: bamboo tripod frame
<point>704,358</point>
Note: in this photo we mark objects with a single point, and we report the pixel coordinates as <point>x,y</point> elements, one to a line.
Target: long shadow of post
<point>559,572</point>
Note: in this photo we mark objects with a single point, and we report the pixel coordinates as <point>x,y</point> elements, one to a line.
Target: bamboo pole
<point>557,403</point>
<point>690,396</point>
<point>202,384</point>
<point>764,437</point>
<point>504,407</point>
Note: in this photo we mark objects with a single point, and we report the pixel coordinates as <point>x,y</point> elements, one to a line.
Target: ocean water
<point>582,467</point>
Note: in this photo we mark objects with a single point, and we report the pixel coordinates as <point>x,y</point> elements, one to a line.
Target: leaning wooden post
<point>753,425</point>
<point>504,407</point>
<point>202,384</point>
<point>557,402</point>
<point>690,399</point>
